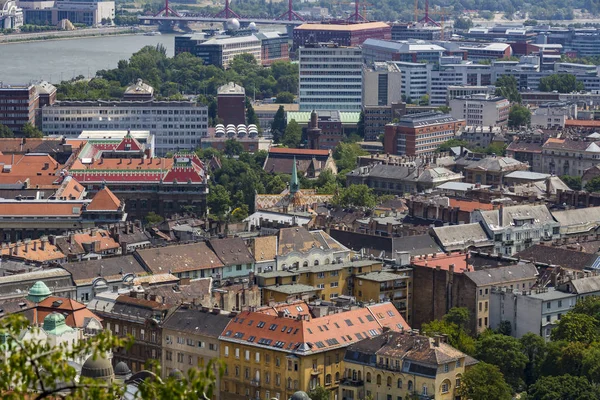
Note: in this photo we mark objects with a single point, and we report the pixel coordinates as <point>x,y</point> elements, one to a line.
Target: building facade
<point>231,104</point>
<point>342,34</point>
<point>481,110</point>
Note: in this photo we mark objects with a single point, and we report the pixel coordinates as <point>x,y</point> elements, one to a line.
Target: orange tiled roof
<point>104,200</point>
<point>76,314</point>
<point>101,237</point>
<point>292,309</point>
<point>306,335</point>
<point>34,251</point>
<point>125,164</point>
<point>70,189</point>
<point>467,205</point>
<point>40,170</point>
<point>582,122</point>
<point>37,208</point>
<point>310,152</point>
<point>444,261</point>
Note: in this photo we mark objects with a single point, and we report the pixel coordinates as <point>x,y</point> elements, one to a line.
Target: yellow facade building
<point>274,352</point>
<point>393,285</point>
<point>399,366</point>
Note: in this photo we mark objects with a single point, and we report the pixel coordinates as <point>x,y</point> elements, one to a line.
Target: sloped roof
<point>129,143</point>
<point>415,245</point>
<point>231,251</point>
<point>264,248</point>
<point>111,269</point>
<point>539,213</point>
<point>503,275</point>
<point>179,258</point>
<point>299,239</point>
<point>551,255</point>
<point>104,200</point>
<point>76,314</point>
<point>586,285</point>
<point>444,261</point>
<point>585,219</point>
<point>197,322</point>
<point>460,237</point>
<point>498,164</point>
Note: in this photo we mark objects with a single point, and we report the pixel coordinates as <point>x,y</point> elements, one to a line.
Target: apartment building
<point>481,110</point>
<point>568,156</point>
<point>18,105</point>
<point>553,115</point>
<point>176,125</point>
<point>330,77</point>
<point>273,353</point>
<point>403,365</point>
<point>420,134</point>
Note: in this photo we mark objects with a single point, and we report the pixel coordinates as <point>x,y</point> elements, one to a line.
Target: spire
<point>294,184</point>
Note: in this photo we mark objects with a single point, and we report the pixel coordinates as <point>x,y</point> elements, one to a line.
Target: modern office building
<point>421,133</point>
<point>415,80</point>
<point>408,51</point>
<point>231,104</point>
<point>481,110</point>
<point>19,104</point>
<point>274,46</point>
<point>90,12</point>
<point>176,125</point>
<point>382,84</point>
<point>330,77</point>
<point>467,90</point>
<point>11,15</point>
<point>406,31</point>
<point>342,34</point>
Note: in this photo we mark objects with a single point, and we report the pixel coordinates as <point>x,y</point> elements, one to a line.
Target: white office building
<point>481,110</point>
<point>176,125</point>
<point>415,80</point>
<point>330,77</point>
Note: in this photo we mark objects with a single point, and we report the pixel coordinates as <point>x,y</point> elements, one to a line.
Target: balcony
<point>508,243</point>
<point>316,371</point>
<point>255,382</point>
<point>352,382</point>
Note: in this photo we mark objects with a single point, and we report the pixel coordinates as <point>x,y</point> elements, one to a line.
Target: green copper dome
<point>38,292</point>
<point>54,324</point>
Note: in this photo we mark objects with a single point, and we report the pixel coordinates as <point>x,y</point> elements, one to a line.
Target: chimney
<point>436,340</point>
<point>43,243</point>
<point>500,216</point>
<point>34,245</point>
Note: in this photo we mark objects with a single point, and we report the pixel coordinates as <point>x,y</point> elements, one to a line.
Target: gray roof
<point>460,186</point>
<point>529,175</point>
<point>497,164</point>
<point>539,213</point>
<point>586,285</point>
<point>550,294</point>
<point>112,268</point>
<point>403,172</point>
<point>292,289</point>
<point>380,276</point>
<point>455,237</point>
<point>416,245</point>
<point>197,322</point>
<point>586,218</point>
<point>502,275</point>
<point>275,274</point>
<point>35,275</point>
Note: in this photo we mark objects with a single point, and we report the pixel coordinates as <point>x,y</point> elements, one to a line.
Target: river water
<point>57,60</point>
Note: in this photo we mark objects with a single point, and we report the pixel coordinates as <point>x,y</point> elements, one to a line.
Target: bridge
<point>168,16</point>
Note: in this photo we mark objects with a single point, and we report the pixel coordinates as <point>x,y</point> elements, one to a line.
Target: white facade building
<point>11,16</point>
<point>330,77</point>
<point>415,79</point>
<point>382,84</point>
<point>553,115</point>
<point>481,110</point>
<point>176,125</point>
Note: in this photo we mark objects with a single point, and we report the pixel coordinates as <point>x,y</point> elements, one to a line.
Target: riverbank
<point>78,33</point>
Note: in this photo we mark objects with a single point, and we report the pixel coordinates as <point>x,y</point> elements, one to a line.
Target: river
<point>56,60</point>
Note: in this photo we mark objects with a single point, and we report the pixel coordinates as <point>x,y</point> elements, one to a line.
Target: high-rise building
<point>330,77</point>
<point>18,105</point>
<point>382,84</point>
<point>231,104</point>
<point>415,80</point>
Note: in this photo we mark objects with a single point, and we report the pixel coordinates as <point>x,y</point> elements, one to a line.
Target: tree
<point>565,387</point>
<point>360,126</point>
<point>562,83</point>
<point>448,144</point>
<point>519,116</point>
<point>292,135</point>
<point>507,86</point>
<point>504,328</point>
<point>506,353</point>
<point>285,97</point>
<point>457,337</point>
<point>153,218</point>
<point>574,327</point>
<point>6,132</point>
<point>534,348</point>
<point>37,369</point>
<point>30,131</point>
<point>319,393</point>
<point>279,124</point>
<point>356,196</point>
<point>463,23</point>
<point>484,381</point>
<point>218,200</point>
<point>573,182</point>
<point>444,109</point>
<point>459,316</point>
<point>239,213</point>
<point>593,185</point>
<point>346,156</point>
<point>251,116</point>
<point>233,147</point>
<point>424,100</point>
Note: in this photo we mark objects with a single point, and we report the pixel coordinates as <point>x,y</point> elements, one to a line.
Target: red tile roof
<point>470,205</point>
<point>582,122</point>
<point>104,200</point>
<point>39,170</point>
<point>129,144</point>
<point>76,314</point>
<point>41,208</point>
<point>306,335</point>
<point>444,261</point>
<point>282,150</point>
<point>292,309</point>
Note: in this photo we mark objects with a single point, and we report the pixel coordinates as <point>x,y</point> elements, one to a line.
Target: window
<point>237,353</point>
<point>446,367</point>
<point>257,357</point>
<point>226,351</point>
<point>389,381</point>
<point>457,363</point>
<point>458,381</point>
<point>410,386</point>
<point>378,379</point>
<point>369,377</point>
<point>549,305</point>
<point>560,303</point>
<point>247,355</point>
<point>424,390</point>
<point>445,387</point>
<point>399,384</point>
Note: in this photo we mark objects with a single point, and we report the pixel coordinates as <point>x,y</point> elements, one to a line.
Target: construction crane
<point>364,13</point>
<point>357,16</point>
<point>426,19</point>
<point>442,13</point>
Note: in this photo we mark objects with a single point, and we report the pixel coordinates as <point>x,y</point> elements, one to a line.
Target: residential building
<point>553,115</point>
<point>528,151</point>
<point>176,125</point>
<point>400,179</point>
<point>444,209</point>
<point>481,110</point>
<point>568,156</point>
<point>298,246</point>
<point>190,340</point>
<point>578,221</point>
<point>231,104</point>
<point>420,134</point>
<point>330,77</point>
<point>382,85</point>
<point>342,34</point>
<point>275,355</point>
<point>11,15</point>
<point>492,170</point>
<point>464,237</point>
<point>386,285</point>
<point>480,135</point>
<point>18,103</point>
<point>234,255</point>
<point>309,163</point>
<point>15,282</point>
<point>514,228</point>
<point>182,261</point>
<point>403,365</point>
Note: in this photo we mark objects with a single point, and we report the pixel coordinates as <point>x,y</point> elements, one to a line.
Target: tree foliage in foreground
<point>484,381</point>
<point>34,369</point>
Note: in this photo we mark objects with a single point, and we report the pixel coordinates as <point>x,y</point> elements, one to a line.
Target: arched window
<point>389,381</point>
<point>354,376</point>
<point>378,379</point>
<point>327,379</point>
<point>399,383</point>
<point>424,390</point>
<point>316,262</point>
<point>359,376</point>
<point>457,384</point>
<point>445,388</point>
<point>337,376</point>
<point>326,261</point>
<point>305,264</point>
<point>410,386</point>
<point>369,377</point>
<point>295,265</point>
<point>289,385</point>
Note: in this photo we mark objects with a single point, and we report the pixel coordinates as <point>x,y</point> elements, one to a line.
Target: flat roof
<point>292,289</point>
<point>340,27</point>
<point>381,276</point>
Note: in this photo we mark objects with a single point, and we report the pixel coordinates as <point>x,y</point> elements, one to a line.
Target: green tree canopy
<point>285,98</point>
<point>573,182</point>
<point>346,156</point>
<point>507,86</point>
<point>30,131</point>
<point>565,387</point>
<point>153,218</point>
<point>279,124</point>
<point>463,23</point>
<point>593,185</point>
<point>484,381</point>
<point>534,348</point>
<point>292,135</point>
<point>506,353</point>
<point>355,196</point>
<point>218,200</point>
<point>6,132</point>
<point>319,393</point>
<point>233,147</point>
<point>562,83</point>
<point>448,144</point>
<point>519,116</point>
<point>574,327</point>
